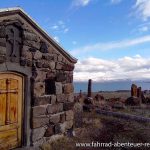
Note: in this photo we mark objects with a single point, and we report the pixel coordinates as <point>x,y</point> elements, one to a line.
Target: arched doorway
<point>11,109</point>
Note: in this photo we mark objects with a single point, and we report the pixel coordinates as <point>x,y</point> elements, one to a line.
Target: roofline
<point>22,13</point>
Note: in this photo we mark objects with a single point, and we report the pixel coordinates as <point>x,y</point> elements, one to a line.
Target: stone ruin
<point>136,96</point>
<point>47,69</point>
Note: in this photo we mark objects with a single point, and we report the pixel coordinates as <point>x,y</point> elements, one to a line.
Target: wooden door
<point>11,100</point>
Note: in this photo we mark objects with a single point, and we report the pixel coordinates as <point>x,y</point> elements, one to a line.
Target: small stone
<point>49,131</point>
<point>42,100</point>
<point>58,66</point>
<point>60,58</point>
<point>39,121</point>
<point>61,98</point>
<point>68,88</point>
<point>30,36</point>
<point>62,117</point>
<point>69,115</point>
<point>22,62</point>
<point>60,77</point>
<point>37,55</point>
<point>70,97</point>
<point>39,64</point>
<point>55,118</point>
<point>52,65</point>
<point>53,99</point>
<point>2,50</point>
<point>58,87</point>
<point>38,133</point>
<point>68,105</point>
<point>39,110</point>
<point>39,89</point>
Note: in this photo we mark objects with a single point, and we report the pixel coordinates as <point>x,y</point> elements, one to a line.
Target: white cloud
<point>143,9</point>
<point>116,1</point>
<point>80,3</point>
<point>56,38</point>
<point>126,68</point>
<point>55,27</point>
<point>111,45</point>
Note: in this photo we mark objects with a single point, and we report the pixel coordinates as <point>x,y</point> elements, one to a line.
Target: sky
<point>110,38</point>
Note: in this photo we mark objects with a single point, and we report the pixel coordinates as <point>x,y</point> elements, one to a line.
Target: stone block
<point>61,98</point>
<point>3,42</point>
<point>53,109</point>
<point>41,76</point>
<point>39,121</point>
<point>39,89</point>
<point>53,99</point>
<point>32,44</point>
<point>39,110</point>
<point>23,62</point>
<point>42,100</point>
<point>2,32</point>
<point>66,125</point>
<point>49,131</point>
<point>62,117</point>
<point>55,118</point>
<point>58,66</point>
<point>70,97</point>
<point>58,87</point>
<point>52,65</point>
<point>69,115</point>
<point>37,55</point>
<point>57,129</point>
<point>30,36</point>
<point>60,77</point>
<point>60,58</point>
<point>39,64</point>
<point>68,106</point>
<point>2,50</point>
<point>68,88</point>
<point>38,133</point>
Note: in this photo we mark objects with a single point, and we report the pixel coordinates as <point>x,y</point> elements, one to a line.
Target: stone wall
<point>52,87</point>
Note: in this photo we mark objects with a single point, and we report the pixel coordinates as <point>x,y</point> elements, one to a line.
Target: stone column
<point>134,90</point>
<point>89,88</point>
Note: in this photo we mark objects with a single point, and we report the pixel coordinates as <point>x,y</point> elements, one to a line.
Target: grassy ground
<point>105,129</point>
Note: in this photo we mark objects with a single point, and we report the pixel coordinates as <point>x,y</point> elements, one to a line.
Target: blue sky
<point>111,38</point>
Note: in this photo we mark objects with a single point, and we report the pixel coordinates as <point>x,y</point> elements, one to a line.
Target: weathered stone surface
<point>41,76</point>
<point>60,77</point>
<point>3,42</point>
<point>52,65</point>
<point>60,58</point>
<point>67,67</point>
<point>55,138</point>
<point>39,89</point>
<point>58,66</point>
<point>42,100</point>
<point>49,131</point>
<point>2,50</point>
<point>30,36</point>
<point>50,74</point>
<point>40,121</point>
<point>58,87</point>
<point>53,99</point>
<point>39,142</point>
<point>2,58</point>
<point>57,129</point>
<point>68,105</point>
<point>68,88</point>
<point>55,118</point>
<point>134,90</point>
<point>70,97</point>
<point>26,53</point>
<point>29,63</point>
<point>43,47</point>
<point>37,55</point>
<point>61,98</point>
<point>49,57</point>
<point>38,133</point>
<point>66,125</point>
<point>52,109</point>
<point>31,44</point>
<point>69,115</point>
<point>39,110</point>
<point>62,117</point>
<point>23,62</point>
<point>2,32</point>
<point>39,64</point>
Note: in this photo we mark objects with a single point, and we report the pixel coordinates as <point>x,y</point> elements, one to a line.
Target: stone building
<point>36,83</point>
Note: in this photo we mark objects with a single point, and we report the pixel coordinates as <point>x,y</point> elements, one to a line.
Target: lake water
<point>110,86</point>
